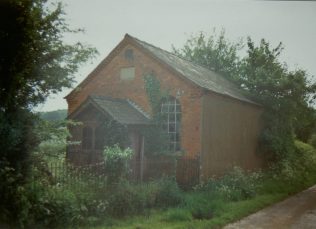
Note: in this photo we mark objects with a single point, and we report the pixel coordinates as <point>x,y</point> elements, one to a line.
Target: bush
<point>203,210</point>
<point>116,162</point>
<point>125,198</point>
<point>204,205</point>
<point>299,168</point>
<point>294,173</point>
<point>235,185</point>
<point>14,202</point>
<point>169,193</point>
<point>52,207</point>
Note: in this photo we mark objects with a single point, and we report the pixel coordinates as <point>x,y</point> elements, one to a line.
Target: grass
<point>178,218</point>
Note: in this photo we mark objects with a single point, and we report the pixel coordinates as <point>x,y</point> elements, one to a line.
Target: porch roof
<point>122,110</point>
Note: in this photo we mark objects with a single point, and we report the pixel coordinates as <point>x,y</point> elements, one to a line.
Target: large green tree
<point>285,95</point>
<point>34,62</point>
<point>214,52</point>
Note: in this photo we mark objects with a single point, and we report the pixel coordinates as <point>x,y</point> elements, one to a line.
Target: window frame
<point>171,121</point>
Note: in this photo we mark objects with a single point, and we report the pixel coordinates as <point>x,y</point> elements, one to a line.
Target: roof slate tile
<point>197,74</point>
<point>120,110</point>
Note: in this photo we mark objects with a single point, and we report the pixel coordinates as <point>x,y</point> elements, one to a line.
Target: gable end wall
<point>107,82</point>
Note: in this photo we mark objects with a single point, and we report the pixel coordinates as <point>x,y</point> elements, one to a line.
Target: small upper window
<point>127,73</point>
<point>129,54</point>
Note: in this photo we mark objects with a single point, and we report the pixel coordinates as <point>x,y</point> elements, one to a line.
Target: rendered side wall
<point>230,131</point>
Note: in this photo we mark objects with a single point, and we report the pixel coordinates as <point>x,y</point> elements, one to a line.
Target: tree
<point>54,115</point>
<point>285,95</point>
<point>214,52</point>
<point>34,62</point>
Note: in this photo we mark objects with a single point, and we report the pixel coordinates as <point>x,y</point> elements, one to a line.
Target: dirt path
<point>297,212</point>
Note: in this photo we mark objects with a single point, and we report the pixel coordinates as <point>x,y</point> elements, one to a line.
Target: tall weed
<point>235,185</point>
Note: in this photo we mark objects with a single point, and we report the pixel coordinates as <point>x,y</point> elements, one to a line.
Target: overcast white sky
<point>164,23</point>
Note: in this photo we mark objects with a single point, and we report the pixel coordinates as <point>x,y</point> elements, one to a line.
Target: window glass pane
<point>171,108</point>
<point>172,127</point>
<point>171,116</point>
<point>178,116</point>
<point>164,108</point>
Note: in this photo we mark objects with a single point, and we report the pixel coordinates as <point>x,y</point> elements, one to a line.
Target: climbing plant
<point>157,140</point>
<point>154,93</point>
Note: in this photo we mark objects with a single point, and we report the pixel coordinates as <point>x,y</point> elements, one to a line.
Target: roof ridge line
<point>180,57</point>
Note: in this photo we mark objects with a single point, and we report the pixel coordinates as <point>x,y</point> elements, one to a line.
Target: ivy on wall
<point>156,139</point>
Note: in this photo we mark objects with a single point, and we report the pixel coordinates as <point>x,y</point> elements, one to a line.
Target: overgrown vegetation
<point>116,162</point>
<point>35,62</point>
<point>286,95</point>
<point>49,201</point>
<point>219,201</point>
<point>157,141</point>
<point>211,204</point>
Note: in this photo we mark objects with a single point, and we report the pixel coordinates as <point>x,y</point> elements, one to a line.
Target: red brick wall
<point>107,82</point>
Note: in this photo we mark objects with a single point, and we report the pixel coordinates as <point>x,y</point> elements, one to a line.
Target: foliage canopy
<point>285,95</point>
<point>34,62</point>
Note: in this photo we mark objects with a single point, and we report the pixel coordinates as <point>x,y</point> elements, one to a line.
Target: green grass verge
<point>178,218</point>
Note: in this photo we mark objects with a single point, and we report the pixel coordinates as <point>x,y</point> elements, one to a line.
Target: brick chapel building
<point>208,118</point>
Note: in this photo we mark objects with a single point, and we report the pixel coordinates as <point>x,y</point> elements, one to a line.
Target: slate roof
<point>197,74</point>
<point>121,110</point>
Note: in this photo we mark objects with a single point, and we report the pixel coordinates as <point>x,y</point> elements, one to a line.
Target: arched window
<point>171,115</point>
<point>87,138</point>
<point>99,138</point>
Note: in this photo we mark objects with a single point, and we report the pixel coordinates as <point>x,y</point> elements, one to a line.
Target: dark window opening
<point>87,138</point>
<point>129,54</point>
<point>99,141</point>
